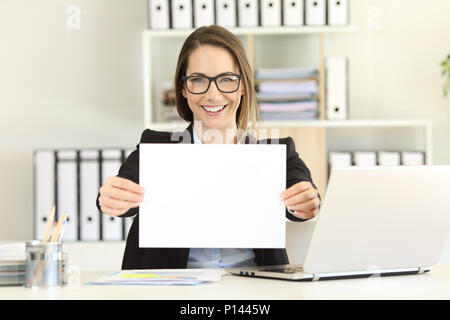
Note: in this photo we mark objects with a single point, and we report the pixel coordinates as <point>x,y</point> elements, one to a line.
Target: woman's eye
<point>198,80</point>
<point>228,79</point>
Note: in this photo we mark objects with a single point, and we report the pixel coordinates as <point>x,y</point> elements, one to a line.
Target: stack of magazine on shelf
<point>12,264</point>
<point>287,94</point>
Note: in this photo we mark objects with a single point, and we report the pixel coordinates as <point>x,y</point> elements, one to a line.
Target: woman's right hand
<point>118,195</point>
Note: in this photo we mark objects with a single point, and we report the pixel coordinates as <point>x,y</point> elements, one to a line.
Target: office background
<point>82,88</point>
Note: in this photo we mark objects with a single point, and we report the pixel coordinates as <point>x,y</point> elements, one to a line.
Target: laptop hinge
<point>316,277</point>
<point>421,270</point>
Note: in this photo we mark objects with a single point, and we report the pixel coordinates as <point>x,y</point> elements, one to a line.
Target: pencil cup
<point>44,264</point>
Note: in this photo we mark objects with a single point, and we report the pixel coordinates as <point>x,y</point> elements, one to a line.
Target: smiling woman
<point>215,93</point>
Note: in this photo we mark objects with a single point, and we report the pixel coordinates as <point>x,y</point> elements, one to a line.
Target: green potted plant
<point>446,74</point>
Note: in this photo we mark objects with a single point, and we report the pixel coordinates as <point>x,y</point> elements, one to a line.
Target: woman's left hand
<point>302,198</point>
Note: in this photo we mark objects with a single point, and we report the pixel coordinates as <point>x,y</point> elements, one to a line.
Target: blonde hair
<point>218,37</point>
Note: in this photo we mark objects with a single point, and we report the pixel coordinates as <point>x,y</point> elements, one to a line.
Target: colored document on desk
<point>212,195</point>
<point>160,277</point>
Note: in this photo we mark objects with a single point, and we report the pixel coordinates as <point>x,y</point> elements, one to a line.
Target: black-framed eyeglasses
<point>226,83</point>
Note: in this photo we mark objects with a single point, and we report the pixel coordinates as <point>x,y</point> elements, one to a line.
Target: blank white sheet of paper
<point>212,196</point>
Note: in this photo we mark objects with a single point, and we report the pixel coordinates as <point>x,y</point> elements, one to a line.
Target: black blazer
<point>173,258</point>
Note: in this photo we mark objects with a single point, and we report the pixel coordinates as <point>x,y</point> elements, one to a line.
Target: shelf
<point>344,123</point>
<point>353,123</point>
<point>255,31</point>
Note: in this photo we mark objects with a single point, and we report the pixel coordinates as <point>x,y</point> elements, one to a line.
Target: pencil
<point>62,231</point>
<point>38,268</point>
<point>58,228</point>
<point>49,225</point>
<point>53,229</point>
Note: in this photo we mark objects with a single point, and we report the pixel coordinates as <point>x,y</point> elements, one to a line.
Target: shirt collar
<point>196,138</point>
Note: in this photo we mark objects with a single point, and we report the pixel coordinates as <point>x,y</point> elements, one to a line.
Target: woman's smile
<point>213,110</point>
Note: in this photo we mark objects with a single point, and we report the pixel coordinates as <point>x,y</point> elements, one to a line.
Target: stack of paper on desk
<point>12,264</point>
<point>160,277</point>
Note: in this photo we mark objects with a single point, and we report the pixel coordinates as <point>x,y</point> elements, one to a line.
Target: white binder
<point>112,227</point>
<point>203,13</point>
<point>226,13</point>
<point>248,13</point>
<point>338,159</point>
<point>89,188</point>
<point>337,12</point>
<point>182,14</point>
<point>44,189</point>
<point>365,158</point>
<point>67,191</point>
<point>158,12</point>
<point>270,13</point>
<point>389,158</point>
<point>336,88</point>
<point>293,13</point>
<point>413,158</point>
<point>315,12</point>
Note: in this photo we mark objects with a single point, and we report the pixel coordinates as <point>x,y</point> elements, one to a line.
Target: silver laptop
<point>373,221</point>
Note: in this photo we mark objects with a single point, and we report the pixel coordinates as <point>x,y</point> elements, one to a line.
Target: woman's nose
<point>213,91</point>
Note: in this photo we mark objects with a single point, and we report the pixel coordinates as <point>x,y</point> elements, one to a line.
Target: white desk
<point>433,285</point>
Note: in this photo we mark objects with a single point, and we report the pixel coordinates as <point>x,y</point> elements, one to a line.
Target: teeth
<point>213,109</point>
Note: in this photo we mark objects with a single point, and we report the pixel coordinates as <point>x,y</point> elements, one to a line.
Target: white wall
<point>64,88</point>
<point>82,88</point>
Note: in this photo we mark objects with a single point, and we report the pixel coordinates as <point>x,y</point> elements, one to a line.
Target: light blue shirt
<point>219,258</point>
